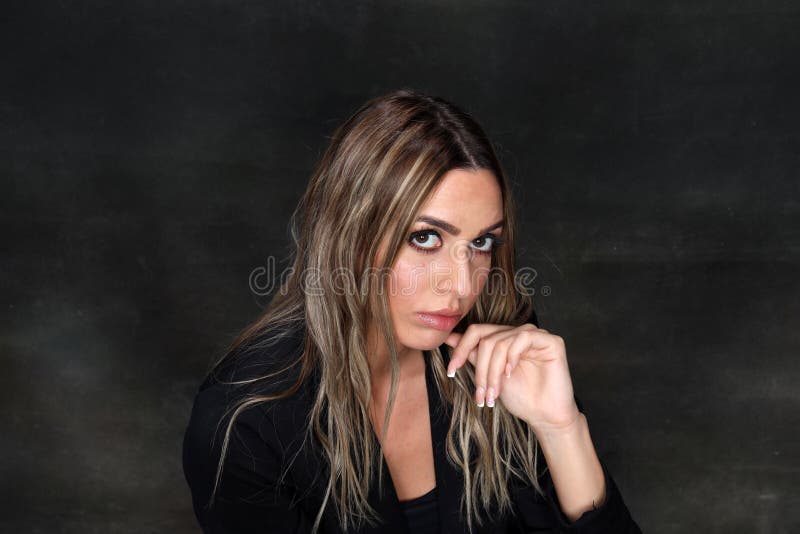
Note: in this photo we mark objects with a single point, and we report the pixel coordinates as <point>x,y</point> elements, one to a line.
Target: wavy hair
<point>376,173</point>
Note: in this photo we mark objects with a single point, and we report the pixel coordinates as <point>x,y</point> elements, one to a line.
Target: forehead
<point>469,197</point>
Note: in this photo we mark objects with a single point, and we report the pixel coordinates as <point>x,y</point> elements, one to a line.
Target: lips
<point>444,311</point>
<point>445,321</point>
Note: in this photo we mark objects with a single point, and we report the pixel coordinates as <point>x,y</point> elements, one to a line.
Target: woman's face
<point>445,260</point>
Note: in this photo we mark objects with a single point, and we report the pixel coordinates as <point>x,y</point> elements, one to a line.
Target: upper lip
<point>448,312</point>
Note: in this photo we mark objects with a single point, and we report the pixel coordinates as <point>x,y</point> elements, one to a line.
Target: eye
<point>482,246</point>
<point>425,242</point>
<point>422,240</point>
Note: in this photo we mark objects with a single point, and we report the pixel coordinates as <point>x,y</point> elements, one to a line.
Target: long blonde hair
<point>379,168</point>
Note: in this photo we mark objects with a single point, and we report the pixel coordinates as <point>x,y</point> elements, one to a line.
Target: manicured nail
<point>479,394</point>
<point>490,398</point>
<point>450,373</point>
<point>508,370</point>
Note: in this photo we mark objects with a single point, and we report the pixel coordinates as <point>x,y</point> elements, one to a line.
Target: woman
<point>393,383</point>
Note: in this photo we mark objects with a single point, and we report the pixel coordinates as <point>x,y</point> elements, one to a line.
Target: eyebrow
<point>452,230</point>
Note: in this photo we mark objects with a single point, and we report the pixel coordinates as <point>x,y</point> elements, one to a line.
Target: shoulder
<point>261,355</point>
<point>263,428</point>
<point>263,368</point>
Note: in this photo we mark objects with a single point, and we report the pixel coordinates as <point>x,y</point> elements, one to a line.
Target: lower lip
<point>439,322</point>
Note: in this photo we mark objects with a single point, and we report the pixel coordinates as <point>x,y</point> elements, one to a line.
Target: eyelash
<point>496,241</point>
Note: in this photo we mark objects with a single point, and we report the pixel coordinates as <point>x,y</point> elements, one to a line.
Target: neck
<point>410,361</point>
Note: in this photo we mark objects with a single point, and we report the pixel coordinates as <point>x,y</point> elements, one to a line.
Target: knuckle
<point>495,379</point>
<point>530,335</point>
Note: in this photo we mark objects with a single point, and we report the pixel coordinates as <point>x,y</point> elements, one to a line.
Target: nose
<point>458,270</point>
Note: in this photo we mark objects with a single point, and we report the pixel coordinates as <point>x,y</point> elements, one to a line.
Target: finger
<point>469,341</point>
<point>521,344</point>
<point>464,344</point>
<point>453,339</point>
<point>542,339</point>
<point>484,391</point>
<point>497,365</point>
<point>473,356</point>
<point>482,370</point>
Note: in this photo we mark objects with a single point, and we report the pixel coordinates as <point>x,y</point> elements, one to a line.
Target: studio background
<point>152,153</point>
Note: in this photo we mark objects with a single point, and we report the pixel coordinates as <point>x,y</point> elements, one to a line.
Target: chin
<point>426,338</point>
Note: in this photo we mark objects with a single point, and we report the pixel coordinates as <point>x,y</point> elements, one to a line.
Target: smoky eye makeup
<point>421,239</point>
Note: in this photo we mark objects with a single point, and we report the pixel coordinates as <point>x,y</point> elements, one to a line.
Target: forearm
<point>574,467</point>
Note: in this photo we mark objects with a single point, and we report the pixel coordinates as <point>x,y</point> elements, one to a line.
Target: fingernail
<point>490,398</point>
<point>479,394</point>
<point>450,373</point>
<point>508,370</point>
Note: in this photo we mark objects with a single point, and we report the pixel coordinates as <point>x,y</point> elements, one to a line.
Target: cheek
<point>407,282</point>
<point>479,279</point>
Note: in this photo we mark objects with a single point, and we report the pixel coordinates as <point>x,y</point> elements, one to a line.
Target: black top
<point>422,513</point>
<point>274,480</point>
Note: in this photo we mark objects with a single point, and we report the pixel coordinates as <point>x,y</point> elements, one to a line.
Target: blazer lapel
<point>449,482</point>
<point>386,504</point>
<point>449,478</point>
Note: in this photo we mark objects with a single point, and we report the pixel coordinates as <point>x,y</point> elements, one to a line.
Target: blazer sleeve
<point>251,496</point>
<point>537,513</point>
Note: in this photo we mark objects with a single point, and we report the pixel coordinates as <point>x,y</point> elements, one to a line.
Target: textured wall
<point>152,154</point>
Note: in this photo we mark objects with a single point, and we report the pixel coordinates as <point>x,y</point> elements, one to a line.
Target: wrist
<point>574,467</point>
<point>569,434</point>
<point>569,427</point>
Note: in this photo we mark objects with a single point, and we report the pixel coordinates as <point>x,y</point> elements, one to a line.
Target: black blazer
<point>253,496</point>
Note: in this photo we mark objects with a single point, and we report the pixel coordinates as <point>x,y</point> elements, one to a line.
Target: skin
<point>449,277</point>
<point>422,281</point>
<point>524,367</point>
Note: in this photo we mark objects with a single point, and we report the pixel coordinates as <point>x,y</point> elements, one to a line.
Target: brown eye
<point>424,241</point>
<point>481,244</point>
<point>484,248</point>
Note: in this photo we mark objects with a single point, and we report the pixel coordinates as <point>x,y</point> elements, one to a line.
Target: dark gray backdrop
<point>152,154</point>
